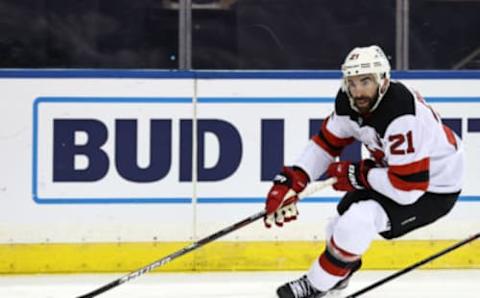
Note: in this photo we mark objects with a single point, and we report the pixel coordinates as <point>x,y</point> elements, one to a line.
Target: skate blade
<point>334,293</point>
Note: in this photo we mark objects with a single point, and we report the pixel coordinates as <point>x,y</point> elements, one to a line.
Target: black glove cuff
<point>282,179</point>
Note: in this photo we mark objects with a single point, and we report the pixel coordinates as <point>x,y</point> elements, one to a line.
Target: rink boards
<point>98,168</point>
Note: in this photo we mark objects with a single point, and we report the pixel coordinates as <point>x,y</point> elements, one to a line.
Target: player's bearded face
<point>365,103</point>
<point>364,91</point>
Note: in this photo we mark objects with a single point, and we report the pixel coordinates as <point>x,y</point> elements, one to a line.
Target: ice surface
<point>419,283</point>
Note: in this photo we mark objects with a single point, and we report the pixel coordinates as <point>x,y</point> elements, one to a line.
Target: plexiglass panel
<point>234,34</point>
<point>444,34</point>
<point>288,34</point>
<point>88,34</point>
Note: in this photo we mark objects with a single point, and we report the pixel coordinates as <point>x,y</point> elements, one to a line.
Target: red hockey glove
<point>279,208</point>
<point>351,176</point>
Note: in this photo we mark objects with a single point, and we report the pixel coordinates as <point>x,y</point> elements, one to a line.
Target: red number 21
<point>398,140</point>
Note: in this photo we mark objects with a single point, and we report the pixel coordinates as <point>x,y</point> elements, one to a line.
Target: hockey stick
<point>313,187</point>
<point>411,267</point>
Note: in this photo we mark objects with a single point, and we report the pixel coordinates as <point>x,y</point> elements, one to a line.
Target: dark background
<point>245,34</point>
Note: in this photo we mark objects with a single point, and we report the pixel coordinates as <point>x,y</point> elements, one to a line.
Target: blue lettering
<point>230,153</point>
<point>186,150</point>
<point>455,124</point>
<point>126,150</point>
<point>272,147</point>
<point>230,150</point>
<point>65,150</point>
<point>474,125</point>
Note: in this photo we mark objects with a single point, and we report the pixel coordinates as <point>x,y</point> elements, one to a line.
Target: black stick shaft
<point>411,267</point>
<point>313,187</point>
<point>174,255</point>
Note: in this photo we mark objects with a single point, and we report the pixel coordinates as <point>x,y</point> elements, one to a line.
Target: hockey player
<point>413,178</point>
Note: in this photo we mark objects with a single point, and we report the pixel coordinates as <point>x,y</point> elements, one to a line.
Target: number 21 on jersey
<point>401,143</point>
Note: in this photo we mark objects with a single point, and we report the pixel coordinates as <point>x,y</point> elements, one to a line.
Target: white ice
<point>419,283</point>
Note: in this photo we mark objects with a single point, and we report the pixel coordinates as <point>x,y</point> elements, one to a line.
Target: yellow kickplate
<point>221,256</point>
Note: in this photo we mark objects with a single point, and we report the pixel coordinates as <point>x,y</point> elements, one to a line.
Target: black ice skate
<point>299,288</point>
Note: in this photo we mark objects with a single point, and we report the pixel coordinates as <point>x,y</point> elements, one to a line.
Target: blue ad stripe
<point>265,100</point>
<point>251,100</point>
<point>113,100</point>
<point>236,74</point>
<point>202,200</point>
<point>113,201</point>
<point>452,99</point>
<point>225,100</point>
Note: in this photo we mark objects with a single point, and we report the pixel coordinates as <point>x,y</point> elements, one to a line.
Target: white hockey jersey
<point>415,151</point>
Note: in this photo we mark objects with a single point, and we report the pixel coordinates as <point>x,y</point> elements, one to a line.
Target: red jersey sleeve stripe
<point>401,184</point>
<point>332,139</point>
<point>330,142</point>
<point>410,168</point>
<point>344,253</point>
<point>412,176</point>
<point>334,152</point>
<point>450,136</point>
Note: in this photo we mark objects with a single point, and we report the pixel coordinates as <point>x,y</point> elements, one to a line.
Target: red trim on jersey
<point>331,268</point>
<point>403,176</point>
<point>344,257</point>
<point>407,185</point>
<point>343,252</point>
<point>410,168</point>
<point>378,155</point>
<point>450,136</point>
<point>333,139</point>
<point>329,142</point>
<point>332,151</point>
